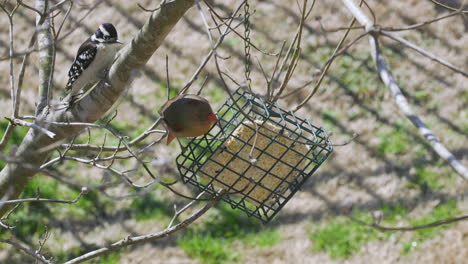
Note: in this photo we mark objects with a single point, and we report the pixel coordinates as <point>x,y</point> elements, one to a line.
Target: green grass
<point>208,248</point>
<point>15,139</point>
<point>215,94</point>
<point>149,208</point>
<point>352,71</point>
<point>396,139</point>
<point>341,237</point>
<point>426,179</point>
<point>112,258</point>
<point>423,96</point>
<point>394,213</point>
<point>394,142</point>
<point>264,239</point>
<point>31,218</point>
<point>233,42</point>
<point>63,256</point>
<point>212,240</point>
<point>443,211</point>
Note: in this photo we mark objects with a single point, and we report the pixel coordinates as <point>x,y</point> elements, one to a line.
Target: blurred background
<point>389,167</point>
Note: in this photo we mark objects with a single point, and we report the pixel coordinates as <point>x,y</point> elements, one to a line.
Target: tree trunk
<point>36,146</point>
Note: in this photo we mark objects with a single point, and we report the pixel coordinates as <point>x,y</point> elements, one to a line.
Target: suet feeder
<point>259,153</point>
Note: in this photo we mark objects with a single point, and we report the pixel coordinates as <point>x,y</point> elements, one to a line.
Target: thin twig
<point>212,10</point>
<point>39,13</point>
<point>419,25</point>
<point>400,99</point>
<point>297,51</point>
<point>424,53</point>
<point>132,240</point>
<point>168,86</point>
<point>410,228</point>
<point>208,57</point>
<point>84,190</point>
<point>26,250</point>
<point>133,142</point>
<point>200,11</point>
<point>21,75</point>
<point>20,122</point>
<point>2,224</point>
<point>448,7</point>
<point>11,52</point>
<point>177,213</point>
<point>402,103</point>
<point>327,66</point>
<point>6,136</point>
<point>57,34</point>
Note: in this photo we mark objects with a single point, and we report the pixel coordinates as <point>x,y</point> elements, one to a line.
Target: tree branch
<point>84,190</point>
<point>424,53</point>
<point>14,177</point>
<point>28,251</point>
<point>147,238</point>
<point>45,44</point>
<point>410,228</point>
<point>400,99</point>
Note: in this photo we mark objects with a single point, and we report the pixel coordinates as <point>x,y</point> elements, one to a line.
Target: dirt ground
<point>351,99</point>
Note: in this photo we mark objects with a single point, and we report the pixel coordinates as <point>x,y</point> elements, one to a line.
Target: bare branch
<point>212,11</point>
<point>422,24</point>
<point>132,240</point>
<point>200,10</point>
<point>42,241</point>
<point>59,4</point>
<point>96,103</point>
<point>21,75</point>
<point>20,122</point>
<point>208,57</point>
<point>295,56</point>
<point>448,7</point>
<point>46,48</point>
<point>400,99</point>
<point>38,12</point>
<point>2,224</point>
<point>424,53</point>
<point>6,136</point>
<point>177,213</point>
<point>57,34</point>
<point>138,139</point>
<point>328,64</point>
<point>26,250</point>
<point>11,52</point>
<point>410,228</point>
<point>84,190</point>
<point>168,86</point>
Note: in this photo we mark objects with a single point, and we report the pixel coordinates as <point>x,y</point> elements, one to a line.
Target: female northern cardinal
<point>187,115</point>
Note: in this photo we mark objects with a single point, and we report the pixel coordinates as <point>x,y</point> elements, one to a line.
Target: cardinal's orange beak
<point>212,118</point>
<point>170,137</point>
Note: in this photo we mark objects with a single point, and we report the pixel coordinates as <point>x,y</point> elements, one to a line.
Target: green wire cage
<point>259,153</point>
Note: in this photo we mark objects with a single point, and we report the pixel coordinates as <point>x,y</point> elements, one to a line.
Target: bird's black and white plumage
<point>93,59</point>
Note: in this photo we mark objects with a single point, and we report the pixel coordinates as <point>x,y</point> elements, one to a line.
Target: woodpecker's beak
<point>119,42</point>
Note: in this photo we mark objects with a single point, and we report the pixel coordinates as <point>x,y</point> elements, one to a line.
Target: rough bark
<point>45,43</point>
<point>134,55</point>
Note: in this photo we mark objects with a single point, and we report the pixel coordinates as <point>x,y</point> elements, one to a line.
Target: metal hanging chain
<point>247,44</point>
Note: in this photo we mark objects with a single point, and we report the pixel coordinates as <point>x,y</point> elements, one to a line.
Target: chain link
<point>247,44</point>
